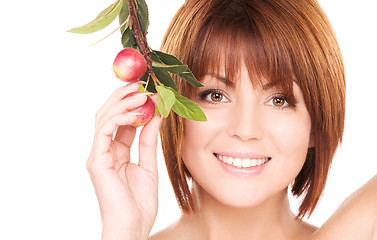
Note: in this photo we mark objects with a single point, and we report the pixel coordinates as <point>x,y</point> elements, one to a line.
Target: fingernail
<point>136,82</point>
<point>134,114</point>
<point>142,94</point>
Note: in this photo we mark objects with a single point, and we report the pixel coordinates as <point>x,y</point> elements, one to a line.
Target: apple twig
<point>139,36</point>
<point>159,71</point>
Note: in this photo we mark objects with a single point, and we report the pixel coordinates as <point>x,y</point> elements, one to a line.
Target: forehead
<point>263,84</point>
<point>230,70</point>
<point>223,51</point>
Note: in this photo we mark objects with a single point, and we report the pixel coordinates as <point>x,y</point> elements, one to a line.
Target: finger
<point>148,145</point>
<point>105,132</point>
<point>123,106</point>
<point>122,158</point>
<point>154,98</point>
<point>118,95</point>
<point>125,135</point>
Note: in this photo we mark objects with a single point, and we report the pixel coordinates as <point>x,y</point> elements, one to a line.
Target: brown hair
<point>278,40</point>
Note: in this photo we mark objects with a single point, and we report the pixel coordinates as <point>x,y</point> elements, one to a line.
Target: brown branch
<point>139,35</point>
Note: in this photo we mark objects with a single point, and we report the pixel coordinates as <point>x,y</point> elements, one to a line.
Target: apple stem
<point>155,80</point>
<point>146,85</point>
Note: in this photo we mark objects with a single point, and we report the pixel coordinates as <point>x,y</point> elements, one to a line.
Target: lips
<point>251,160</point>
<point>241,164</point>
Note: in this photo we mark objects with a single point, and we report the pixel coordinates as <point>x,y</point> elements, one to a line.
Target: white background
<point>52,83</point>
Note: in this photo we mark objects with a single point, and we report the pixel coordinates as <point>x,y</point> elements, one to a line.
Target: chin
<point>242,195</point>
<point>249,200</point>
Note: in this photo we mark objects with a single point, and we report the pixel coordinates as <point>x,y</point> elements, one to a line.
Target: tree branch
<point>139,35</point>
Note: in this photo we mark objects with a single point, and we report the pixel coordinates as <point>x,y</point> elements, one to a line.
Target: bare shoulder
<point>356,218</point>
<point>161,235</point>
<point>166,234</point>
<point>181,229</point>
<point>171,232</point>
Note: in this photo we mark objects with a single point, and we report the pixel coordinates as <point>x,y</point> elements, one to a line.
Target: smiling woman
<point>269,43</point>
<point>274,98</point>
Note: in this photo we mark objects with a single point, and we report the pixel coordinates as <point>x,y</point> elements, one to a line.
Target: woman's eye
<point>216,97</point>
<point>279,101</point>
<point>213,96</point>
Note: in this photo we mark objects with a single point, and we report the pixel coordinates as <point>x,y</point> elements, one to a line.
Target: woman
<point>273,94</point>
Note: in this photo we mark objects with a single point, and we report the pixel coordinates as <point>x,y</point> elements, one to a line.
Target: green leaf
<point>154,57</point>
<point>165,101</point>
<point>123,15</point>
<point>162,74</point>
<point>167,58</point>
<point>171,68</point>
<point>172,60</point>
<point>186,108</point>
<point>128,38</point>
<point>190,78</point>
<point>104,19</point>
<point>156,111</point>
<point>142,14</point>
<point>164,77</point>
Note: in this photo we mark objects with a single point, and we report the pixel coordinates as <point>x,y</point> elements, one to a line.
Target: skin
<point>127,192</point>
<point>245,120</point>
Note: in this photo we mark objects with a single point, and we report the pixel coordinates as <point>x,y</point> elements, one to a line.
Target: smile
<point>242,162</point>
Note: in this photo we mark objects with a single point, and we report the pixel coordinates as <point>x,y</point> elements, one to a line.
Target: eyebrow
<point>265,87</point>
<point>222,79</point>
<point>268,86</point>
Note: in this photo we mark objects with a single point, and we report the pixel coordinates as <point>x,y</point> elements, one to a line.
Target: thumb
<point>148,145</point>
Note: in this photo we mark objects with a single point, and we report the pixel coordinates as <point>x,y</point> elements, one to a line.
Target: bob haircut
<point>280,41</point>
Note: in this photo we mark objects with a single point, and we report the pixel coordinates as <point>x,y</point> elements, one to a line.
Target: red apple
<point>129,65</point>
<point>147,110</point>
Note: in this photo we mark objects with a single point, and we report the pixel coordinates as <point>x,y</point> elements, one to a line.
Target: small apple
<point>129,65</point>
<point>147,110</point>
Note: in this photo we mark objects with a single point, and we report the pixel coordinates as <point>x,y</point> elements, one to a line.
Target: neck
<point>272,219</point>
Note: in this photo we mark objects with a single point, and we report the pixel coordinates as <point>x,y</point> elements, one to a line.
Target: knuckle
<point>89,165</point>
<point>120,92</point>
<point>100,120</point>
<point>92,168</point>
<point>98,115</point>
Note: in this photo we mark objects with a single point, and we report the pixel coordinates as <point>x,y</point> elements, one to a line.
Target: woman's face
<point>253,145</point>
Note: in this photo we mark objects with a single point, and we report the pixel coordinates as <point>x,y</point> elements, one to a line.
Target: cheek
<point>200,135</point>
<point>196,137</point>
<point>199,140</point>
<point>290,136</point>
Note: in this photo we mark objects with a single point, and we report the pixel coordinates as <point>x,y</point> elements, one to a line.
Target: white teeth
<point>259,162</point>
<point>237,162</point>
<point>229,160</point>
<point>242,162</point>
<point>253,162</point>
<point>246,162</point>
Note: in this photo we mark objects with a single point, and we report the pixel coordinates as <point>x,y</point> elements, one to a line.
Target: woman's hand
<point>126,192</point>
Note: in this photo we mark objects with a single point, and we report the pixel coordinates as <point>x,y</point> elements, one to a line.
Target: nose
<point>246,121</point>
